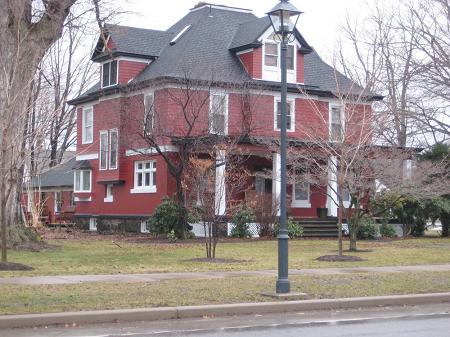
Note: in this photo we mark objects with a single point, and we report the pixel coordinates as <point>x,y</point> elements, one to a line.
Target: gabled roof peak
<point>203,4</point>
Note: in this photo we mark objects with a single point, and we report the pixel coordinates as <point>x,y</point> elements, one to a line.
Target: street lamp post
<point>284,17</point>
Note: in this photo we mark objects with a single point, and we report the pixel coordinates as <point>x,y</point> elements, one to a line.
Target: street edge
<point>167,313</point>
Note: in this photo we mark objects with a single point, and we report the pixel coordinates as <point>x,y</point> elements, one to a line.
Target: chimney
<point>201,4</point>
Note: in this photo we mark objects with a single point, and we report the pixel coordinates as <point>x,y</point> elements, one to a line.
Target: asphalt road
<point>419,321</point>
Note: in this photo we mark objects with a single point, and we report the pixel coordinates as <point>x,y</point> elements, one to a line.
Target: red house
<point>231,54</point>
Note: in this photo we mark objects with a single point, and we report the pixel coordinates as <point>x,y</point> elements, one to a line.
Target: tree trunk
<point>445,221</point>
<point>340,211</point>
<point>3,230</point>
<point>183,218</point>
<point>353,238</point>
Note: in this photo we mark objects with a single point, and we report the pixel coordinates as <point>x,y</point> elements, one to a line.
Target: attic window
<point>109,74</point>
<point>179,35</point>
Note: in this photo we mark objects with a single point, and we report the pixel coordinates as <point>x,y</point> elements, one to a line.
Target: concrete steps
<point>319,227</point>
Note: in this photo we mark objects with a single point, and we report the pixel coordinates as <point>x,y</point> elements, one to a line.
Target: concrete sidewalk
<point>156,277</point>
<point>221,310</point>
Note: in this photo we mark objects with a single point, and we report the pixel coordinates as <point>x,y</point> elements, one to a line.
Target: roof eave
<point>106,56</point>
<point>255,44</point>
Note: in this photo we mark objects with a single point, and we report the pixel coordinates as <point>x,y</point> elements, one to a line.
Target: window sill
<point>143,190</point>
<point>301,204</point>
<point>108,200</point>
<point>78,199</point>
<point>85,142</point>
<point>288,130</point>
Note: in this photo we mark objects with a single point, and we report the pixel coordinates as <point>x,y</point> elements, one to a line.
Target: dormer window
<point>272,60</point>
<point>272,51</point>
<point>109,74</point>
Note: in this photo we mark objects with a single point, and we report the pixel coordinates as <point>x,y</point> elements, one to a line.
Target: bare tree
<point>196,122</point>
<point>27,30</point>
<point>212,192</point>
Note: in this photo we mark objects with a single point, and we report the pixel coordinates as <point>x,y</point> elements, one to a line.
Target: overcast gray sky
<point>319,24</point>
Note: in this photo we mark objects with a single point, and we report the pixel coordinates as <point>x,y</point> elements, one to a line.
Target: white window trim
<point>81,181</point>
<point>342,117</point>
<point>225,95</point>
<point>117,75</point>
<point>117,150</point>
<point>103,132</point>
<point>109,198</point>
<point>291,73</point>
<point>142,189</point>
<point>84,139</point>
<point>291,101</point>
<point>78,199</point>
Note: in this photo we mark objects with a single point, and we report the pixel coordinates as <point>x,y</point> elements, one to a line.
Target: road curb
<point>156,314</point>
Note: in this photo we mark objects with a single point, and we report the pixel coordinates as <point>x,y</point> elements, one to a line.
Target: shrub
<point>294,229</point>
<point>165,218</point>
<point>367,230</point>
<point>241,218</point>
<point>190,235</point>
<point>387,230</point>
<point>171,236</point>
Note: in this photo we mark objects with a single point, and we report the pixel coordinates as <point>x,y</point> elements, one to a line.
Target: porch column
<point>220,188</point>
<point>276,180</point>
<point>332,198</point>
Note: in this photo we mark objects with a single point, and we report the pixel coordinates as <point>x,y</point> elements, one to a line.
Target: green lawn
<point>94,296</point>
<point>105,257</point>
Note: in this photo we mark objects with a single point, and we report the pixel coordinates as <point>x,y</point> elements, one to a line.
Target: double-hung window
<point>218,112</point>
<point>149,114</point>
<point>301,192</point>
<point>290,115</point>
<point>58,202</point>
<point>109,143</point>
<point>109,74</point>
<point>104,151</point>
<point>272,50</point>
<point>109,193</point>
<point>271,54</point>
<point>290,62</point>
<point>113,148</point>
<point>336,123</point>
<point>144,177</point>
<point>87,126</point>
<point>83,181</point>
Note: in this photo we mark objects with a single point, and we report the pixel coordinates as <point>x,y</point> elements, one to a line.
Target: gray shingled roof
<point>59,176</point>
<point>323,76</point>
<point>204,51</point>
<point>249,32</point>
<point>135,41</point>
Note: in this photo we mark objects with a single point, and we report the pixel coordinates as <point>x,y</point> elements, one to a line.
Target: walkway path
<point>156,277</point>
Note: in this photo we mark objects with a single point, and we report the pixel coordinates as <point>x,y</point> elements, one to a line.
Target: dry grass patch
<point>96,296</point>
<point>105,257</point>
